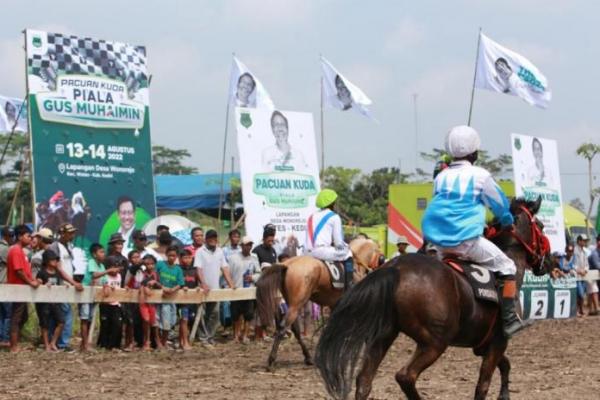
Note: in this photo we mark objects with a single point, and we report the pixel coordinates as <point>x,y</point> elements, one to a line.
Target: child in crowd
<point>95,275</point>
<point>131,311</point>
<point>111,319</point>
<point>170,276</point>
<point>187,312</point>
<point>49,275</point>
<point>148,311</point>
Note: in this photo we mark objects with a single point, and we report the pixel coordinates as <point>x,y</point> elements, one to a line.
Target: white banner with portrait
<point>536,171</point>
<point>279,172</point>
<point>13,112</point>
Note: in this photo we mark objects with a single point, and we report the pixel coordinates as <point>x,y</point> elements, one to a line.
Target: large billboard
<point>279,171</point>
<point>90,135</point>
<point>535,166</point>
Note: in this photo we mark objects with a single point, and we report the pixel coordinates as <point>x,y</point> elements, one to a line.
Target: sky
<point>392,50</point>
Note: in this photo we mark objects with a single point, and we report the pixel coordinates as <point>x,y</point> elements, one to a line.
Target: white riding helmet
<point>461,141</point>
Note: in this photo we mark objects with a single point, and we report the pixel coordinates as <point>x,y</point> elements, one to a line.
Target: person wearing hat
<point>454,221</point>
<point>245,271</point>
<point>63,247</point>
<point>140,243</point>
<point>582,266</point>
<point>115,249</point>
<point>325,236</point>
<point>401,244</point>
<point>431,250</point>
<point>44,238</point>
<point>210,261</point>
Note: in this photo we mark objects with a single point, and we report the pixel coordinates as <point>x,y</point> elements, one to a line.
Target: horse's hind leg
<point>282,325</point>
<point>489,363</point>
<point>296,331</point>
<point>424,356</point>
<point>373,357</point>
<point>504,367</point>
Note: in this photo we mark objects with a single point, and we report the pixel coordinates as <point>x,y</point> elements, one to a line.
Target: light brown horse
<point>305,278</point>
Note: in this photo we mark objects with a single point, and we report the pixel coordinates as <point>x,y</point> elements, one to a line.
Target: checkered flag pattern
<point>86,56</point>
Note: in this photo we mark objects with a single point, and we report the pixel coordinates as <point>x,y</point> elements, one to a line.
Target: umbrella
<point>179,227</point>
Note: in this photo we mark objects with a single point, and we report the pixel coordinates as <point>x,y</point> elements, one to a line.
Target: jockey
<point>455,218</point>
<point>324,235</point>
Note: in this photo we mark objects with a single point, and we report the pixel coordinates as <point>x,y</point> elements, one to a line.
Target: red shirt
<point>17,260</point>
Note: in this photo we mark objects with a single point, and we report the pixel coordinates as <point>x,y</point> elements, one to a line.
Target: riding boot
<point>348,273</point>
<point>512,324</point>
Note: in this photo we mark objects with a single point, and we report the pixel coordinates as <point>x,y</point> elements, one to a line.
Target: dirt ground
<point>552,360</point>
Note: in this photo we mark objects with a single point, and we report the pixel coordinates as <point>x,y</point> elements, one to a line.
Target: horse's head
<point>528,233</point>
<point>367,256</point>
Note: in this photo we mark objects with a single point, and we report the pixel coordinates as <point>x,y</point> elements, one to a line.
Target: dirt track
<point>552,360</point>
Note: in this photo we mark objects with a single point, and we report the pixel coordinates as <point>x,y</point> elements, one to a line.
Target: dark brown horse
<point>432,304</point>
<point>301,279</point>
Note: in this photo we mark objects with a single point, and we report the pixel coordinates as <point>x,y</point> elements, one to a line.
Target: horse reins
<point>539,246</point>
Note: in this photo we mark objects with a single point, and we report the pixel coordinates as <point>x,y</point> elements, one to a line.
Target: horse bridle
<point>539,246</point>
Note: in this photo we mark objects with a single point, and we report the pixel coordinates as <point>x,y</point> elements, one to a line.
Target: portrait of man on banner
<point>245,95</point>
<point>282,156</point>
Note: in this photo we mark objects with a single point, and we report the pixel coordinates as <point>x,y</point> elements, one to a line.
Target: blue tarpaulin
<point>191,192</point>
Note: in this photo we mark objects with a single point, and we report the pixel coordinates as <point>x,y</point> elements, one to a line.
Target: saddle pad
<point>481,279</point>
<point>336,271</point>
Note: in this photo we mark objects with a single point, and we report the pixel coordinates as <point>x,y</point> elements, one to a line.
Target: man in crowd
<point>234,244</point>
<point>45,238</point>
<point>140,241</point>
<point>210,262</point>
<point>159,229</point>
<point>266,251</point>
<point>592,286</point>
<point>245,270</point>
<point>116,244</point>
<point>401,245</point>
<point>19,273</point>
<point>63,247</point>
<point>582,267</point>
<point>197,240</point>
<point>6,240</point>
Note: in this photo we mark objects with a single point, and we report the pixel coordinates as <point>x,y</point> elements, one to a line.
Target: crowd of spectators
<point>43,258</point>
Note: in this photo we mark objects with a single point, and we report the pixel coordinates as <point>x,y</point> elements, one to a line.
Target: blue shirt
<point>169,275</point>
<point>456,213</point>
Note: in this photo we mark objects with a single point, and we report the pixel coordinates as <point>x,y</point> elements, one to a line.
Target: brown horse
<point>305,278</point>
<point>432,304</point>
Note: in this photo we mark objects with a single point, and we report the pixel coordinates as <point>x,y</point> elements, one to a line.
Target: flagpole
<point>474,78</point>
<point>322,135</point>
<point>223,157</point>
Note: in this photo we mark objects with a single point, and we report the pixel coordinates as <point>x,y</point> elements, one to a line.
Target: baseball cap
<point>64,228</point>
<point>402,240</point>
<point>116,238</point>
<point>45,233</point>
<point>138,234</point>
<point>431,247</point>
<point>247,240</point>
<point>583,236</point>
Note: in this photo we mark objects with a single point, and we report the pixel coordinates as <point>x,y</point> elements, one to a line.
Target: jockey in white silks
<point>455,218</point>
<point>325,236</point>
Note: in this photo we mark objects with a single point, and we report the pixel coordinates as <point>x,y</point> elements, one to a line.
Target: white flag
<point>502,70</point>
<point>342,94</point>
<point>246,90</point>
<point>10,109</point>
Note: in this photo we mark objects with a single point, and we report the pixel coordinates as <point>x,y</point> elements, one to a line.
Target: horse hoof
<point>270,368</point>
<point>504,397</point>
<point>308,361</point>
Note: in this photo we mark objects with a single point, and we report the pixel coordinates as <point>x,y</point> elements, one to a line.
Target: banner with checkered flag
<point>88,109</point>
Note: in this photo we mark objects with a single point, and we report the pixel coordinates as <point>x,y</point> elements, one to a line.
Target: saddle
<point>480,278</point>
<point>337,273</point>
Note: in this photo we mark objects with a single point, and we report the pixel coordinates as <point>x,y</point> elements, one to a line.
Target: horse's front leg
<point>491,360</point>
<point>504,367</point>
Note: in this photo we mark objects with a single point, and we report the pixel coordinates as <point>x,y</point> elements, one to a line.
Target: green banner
<point>90,135</point>
<point>545,298</point>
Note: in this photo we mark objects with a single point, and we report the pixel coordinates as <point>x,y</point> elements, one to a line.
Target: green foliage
<point>166,161</point>
<point>10,169</point>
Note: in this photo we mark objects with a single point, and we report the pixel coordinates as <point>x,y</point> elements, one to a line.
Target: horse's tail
<point>362,316</point>
<point>267,293</point>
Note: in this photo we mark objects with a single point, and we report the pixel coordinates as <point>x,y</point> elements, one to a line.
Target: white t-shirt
<point>240,265</point>
<point>211,263</point>
<point>66,256</point>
